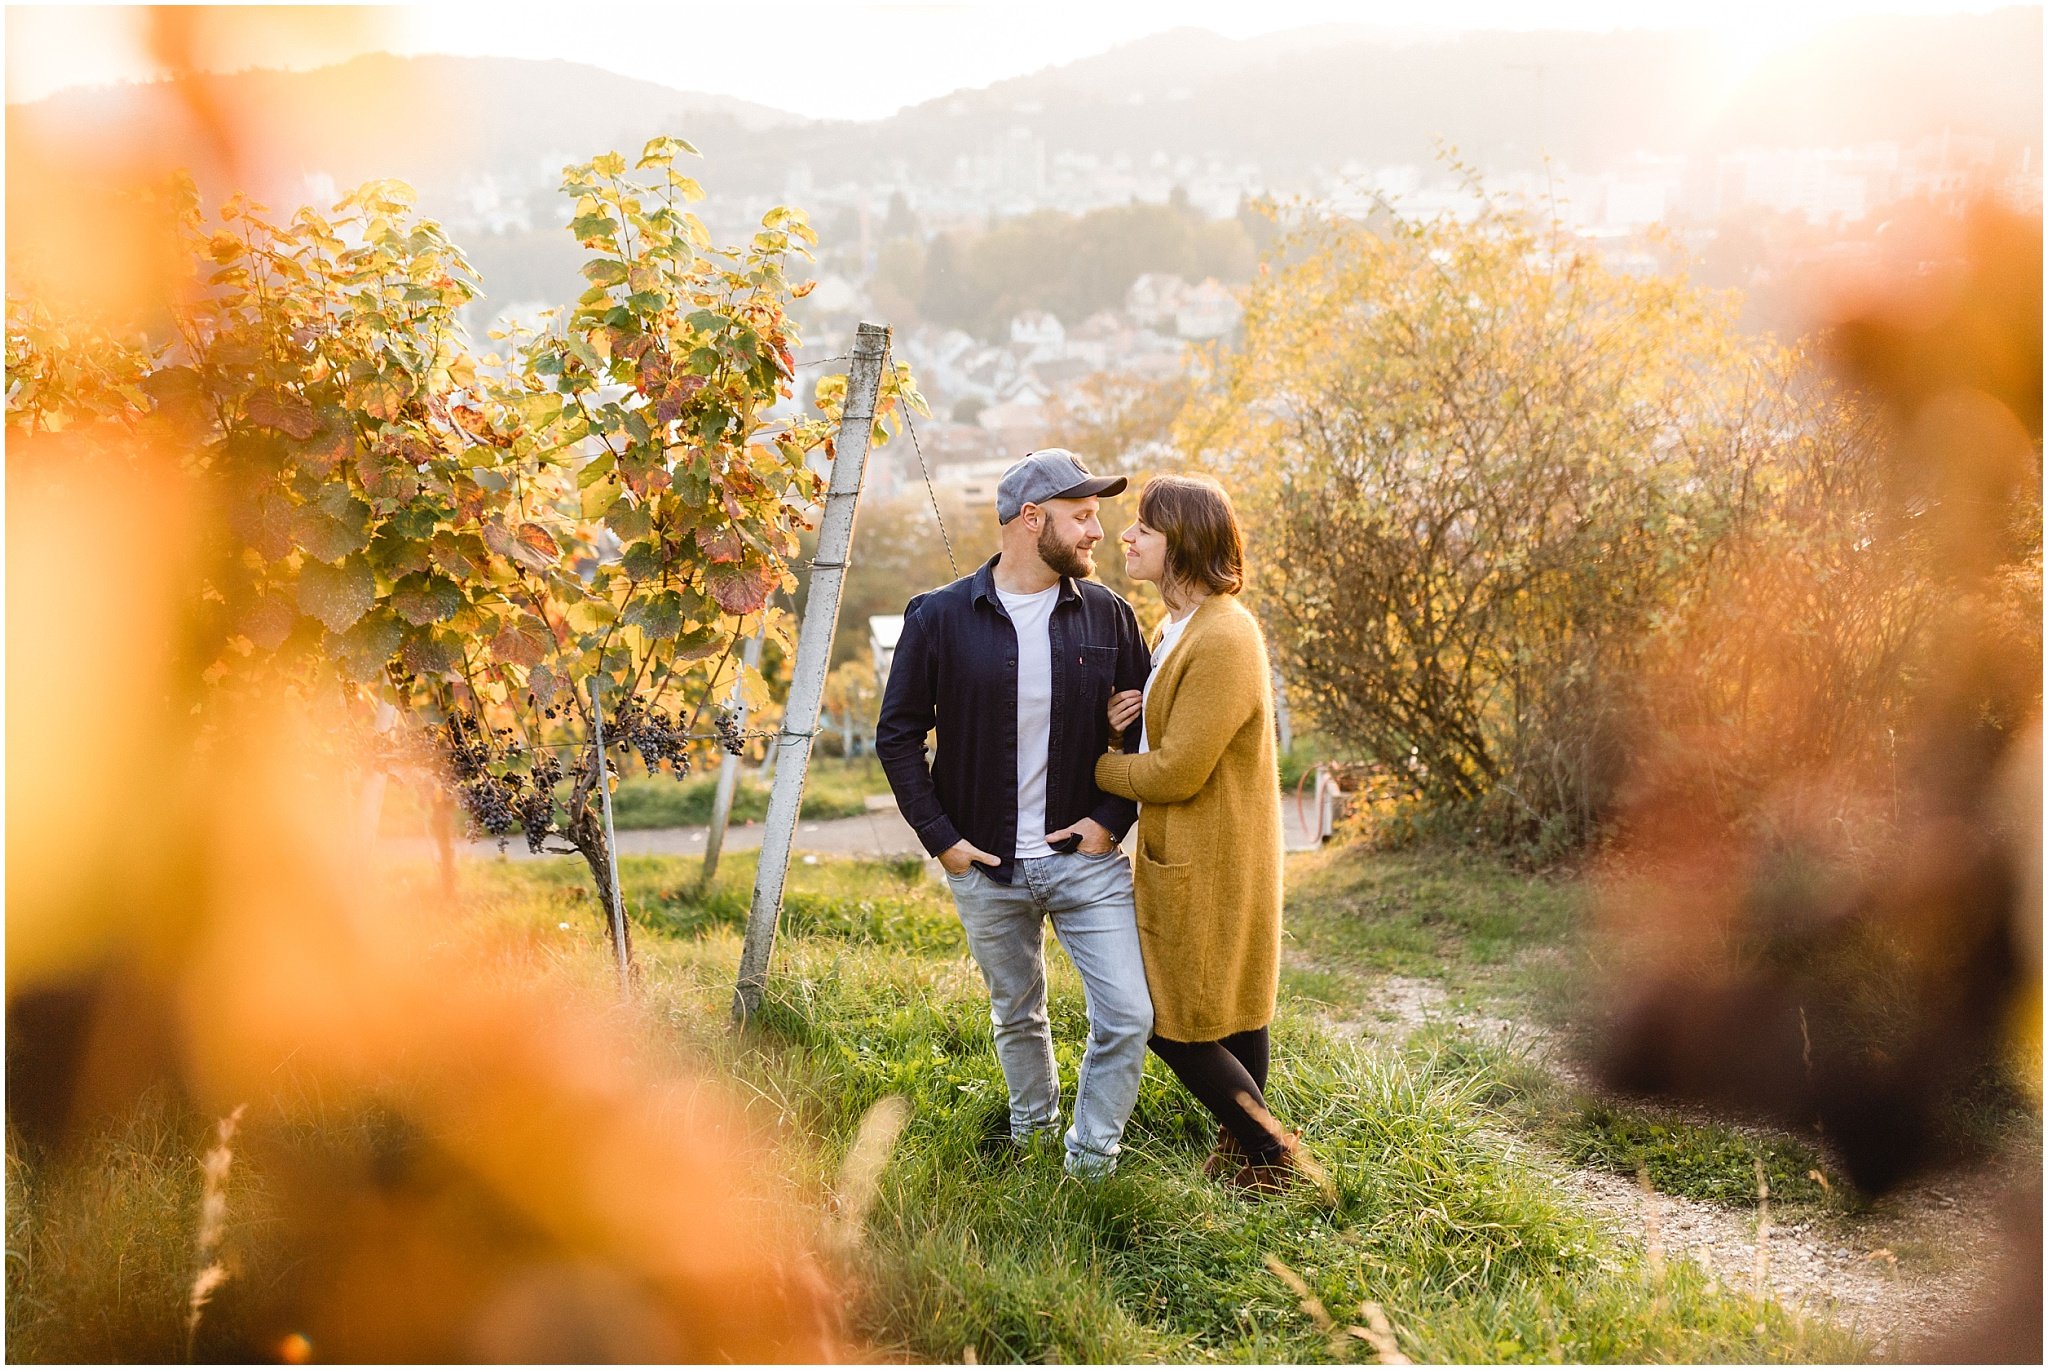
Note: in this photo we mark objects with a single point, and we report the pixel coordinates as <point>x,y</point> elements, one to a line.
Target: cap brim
<point>1088,489</point>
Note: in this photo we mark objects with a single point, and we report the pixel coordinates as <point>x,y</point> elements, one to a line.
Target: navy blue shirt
<point>956,668</point>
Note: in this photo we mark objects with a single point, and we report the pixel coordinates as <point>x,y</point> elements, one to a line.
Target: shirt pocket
<point>1098,669</point>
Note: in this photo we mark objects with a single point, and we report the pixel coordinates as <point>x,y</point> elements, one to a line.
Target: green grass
<point>834,789</point>
<point>1499,940</point>
<point>1482,930</point>
<point>1474,1254</point>
<point>100,1248</point>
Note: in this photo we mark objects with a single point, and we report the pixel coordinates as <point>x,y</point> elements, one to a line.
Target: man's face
<point>1068,531</point>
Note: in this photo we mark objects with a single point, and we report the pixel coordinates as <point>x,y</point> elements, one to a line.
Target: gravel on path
<point>1917,1262</point>
<point>879,832</point>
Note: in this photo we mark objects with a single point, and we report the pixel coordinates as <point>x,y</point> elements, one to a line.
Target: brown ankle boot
<point>1274,1176</point>
<point>1227,1158</point>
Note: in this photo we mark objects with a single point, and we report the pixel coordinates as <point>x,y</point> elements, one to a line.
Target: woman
<point>1209,844</point>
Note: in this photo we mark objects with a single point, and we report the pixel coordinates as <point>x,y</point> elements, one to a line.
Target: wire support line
<point>910,427</point>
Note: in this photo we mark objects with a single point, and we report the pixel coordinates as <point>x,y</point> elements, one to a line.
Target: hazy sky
<point>843,60</point>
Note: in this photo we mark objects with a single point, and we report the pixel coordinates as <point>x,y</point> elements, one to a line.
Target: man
<point>1015,665</point>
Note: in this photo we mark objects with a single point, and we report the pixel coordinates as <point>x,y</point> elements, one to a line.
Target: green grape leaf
<point>330,537</point>
<point>659,615</point>
<point>429,653</point>
<point>337,595</point>
<point>268,622</point>
<point>363,650</point>
<point>642,561</point>
<point>422,598</point>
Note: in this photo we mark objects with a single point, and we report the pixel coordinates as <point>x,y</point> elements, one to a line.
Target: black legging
<point>1229,1077</point>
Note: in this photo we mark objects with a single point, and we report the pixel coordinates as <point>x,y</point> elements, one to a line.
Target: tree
<point>476,541</point>
<point>1486,481</point>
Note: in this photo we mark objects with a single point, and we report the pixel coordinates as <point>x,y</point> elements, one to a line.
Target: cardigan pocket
<point>1162,895</point>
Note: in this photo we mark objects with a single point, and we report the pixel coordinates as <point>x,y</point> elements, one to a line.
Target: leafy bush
<point>1490,482</point>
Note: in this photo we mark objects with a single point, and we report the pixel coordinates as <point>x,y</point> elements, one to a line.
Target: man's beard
<point>1063,558</point>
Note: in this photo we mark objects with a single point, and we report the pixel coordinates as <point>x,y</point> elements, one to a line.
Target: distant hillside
<point>433,121</point>
<point>1286,102</point>
<point>1290,102</point>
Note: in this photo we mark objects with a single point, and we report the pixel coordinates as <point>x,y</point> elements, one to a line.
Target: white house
<point>1039,334</point>
<point>1207,310</point>
<point>883,632</point>
<point>1153,298</point>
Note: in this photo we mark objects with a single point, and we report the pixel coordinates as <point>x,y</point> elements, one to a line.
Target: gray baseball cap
<point>1049,473</point>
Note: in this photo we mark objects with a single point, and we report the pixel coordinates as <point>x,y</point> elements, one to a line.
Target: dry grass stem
<point>860,1174</point>
<point>1310,1304</point>
<point>1378,1333</point>
<point>1763,1232</point>
<point>213,1217</point>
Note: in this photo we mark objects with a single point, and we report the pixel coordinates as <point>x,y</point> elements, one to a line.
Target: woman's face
<point>1144,552</point>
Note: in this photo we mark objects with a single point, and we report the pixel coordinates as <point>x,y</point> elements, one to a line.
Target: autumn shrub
<point>1496,487</point>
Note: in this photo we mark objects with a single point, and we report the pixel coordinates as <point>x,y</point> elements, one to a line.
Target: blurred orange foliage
<point>1859,945</point>
<point>462,1154</point>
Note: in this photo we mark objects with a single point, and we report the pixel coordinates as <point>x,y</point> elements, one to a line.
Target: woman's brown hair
<point>1204,545</point>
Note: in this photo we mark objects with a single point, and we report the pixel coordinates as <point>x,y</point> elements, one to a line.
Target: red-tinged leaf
<point>721,544</point>
<point>739,588</point>
<point>387,477</point>
<point>523,641</point>
<point>798,291</point>
<point>498,537</point>
<point>543,683</point>
<point>460,555</point>
<point>676,396</point>
<point>331,442</point>
<point>471,420</point>
<point>283,412</point>
<point>534,548</point>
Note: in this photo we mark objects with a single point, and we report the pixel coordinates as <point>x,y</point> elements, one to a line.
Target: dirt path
<point>1914,1264</point>
<point>880,831</point>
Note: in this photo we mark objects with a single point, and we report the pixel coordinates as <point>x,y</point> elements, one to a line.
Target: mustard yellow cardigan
<point>1209,855</point>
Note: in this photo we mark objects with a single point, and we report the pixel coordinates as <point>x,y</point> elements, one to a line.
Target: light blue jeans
<point>1090,903</point>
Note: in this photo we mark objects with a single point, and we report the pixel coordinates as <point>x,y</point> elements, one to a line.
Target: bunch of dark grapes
<point>489,800</point>
<point>535,805</point>
<point>468,744</point>
<point>656,737</point>
<point>730,736</point>
<point>653,734</point>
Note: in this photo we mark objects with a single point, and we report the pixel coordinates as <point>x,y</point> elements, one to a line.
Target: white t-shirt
<point>1169,633</point>
<point>1031,615</point>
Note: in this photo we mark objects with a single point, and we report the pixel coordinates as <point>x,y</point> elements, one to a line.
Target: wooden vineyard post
<point>813,657</point>
<point>729,764</point>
